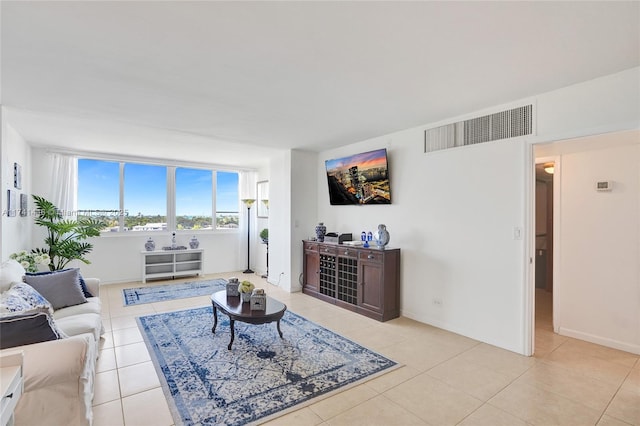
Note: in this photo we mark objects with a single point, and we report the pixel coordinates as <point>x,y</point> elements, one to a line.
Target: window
<point>227,200</point>
<point>99,192</point>
<point>194,199</point>
<point>134,197</point>
<point>145,197</point>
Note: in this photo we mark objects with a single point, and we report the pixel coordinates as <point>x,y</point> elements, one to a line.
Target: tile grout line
<point>616,393</point>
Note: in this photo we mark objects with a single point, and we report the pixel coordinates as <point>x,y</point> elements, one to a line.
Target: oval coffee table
<point>238,311</point>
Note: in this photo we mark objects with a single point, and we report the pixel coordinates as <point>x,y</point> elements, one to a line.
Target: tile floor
<point>446,379</point>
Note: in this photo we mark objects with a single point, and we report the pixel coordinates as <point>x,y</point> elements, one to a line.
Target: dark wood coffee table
<point>233,307</point>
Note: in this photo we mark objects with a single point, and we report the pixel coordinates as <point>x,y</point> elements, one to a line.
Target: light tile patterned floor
<point>447,379</point>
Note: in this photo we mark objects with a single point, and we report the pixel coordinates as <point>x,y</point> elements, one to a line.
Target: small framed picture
<point>23,205</point>
<point>11,203</point>
<point>17,176</point>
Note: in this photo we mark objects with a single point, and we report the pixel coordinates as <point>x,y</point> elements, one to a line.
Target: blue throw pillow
<point>85,290</point>
<point>27,328</point>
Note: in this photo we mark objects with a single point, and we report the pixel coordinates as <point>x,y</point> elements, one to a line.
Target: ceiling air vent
<point>501,125</point>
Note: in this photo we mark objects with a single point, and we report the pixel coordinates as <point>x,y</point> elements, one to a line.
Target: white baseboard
<point>599,340</point>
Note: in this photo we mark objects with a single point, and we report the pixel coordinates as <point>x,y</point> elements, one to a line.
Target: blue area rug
<point>160,293</point>
<point>261,377</point>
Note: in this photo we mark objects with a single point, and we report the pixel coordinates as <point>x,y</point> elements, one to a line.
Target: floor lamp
<point>249,202</point>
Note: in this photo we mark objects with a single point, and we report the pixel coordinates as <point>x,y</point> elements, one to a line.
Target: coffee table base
<point>232,326</point>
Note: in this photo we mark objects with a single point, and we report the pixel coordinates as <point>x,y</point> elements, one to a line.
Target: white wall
<point>292,214</point>
<point>304,208</point>
<point>16,230</point>
<point>453,214</point>
<point>606,104</point>
<point>597,286</point>
<point>280,220</point>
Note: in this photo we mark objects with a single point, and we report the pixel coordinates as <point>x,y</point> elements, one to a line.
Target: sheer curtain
<point>64,183</point>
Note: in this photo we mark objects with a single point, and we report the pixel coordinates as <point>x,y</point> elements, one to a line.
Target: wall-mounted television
<point>359,179</point>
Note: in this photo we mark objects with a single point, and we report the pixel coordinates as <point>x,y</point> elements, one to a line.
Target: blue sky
<point>145,189</point>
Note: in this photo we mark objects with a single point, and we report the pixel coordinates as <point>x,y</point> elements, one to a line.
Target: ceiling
<point>233,82</point>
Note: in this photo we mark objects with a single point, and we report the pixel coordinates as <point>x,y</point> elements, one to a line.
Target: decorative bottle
<point>382,236</point>
<point>150,245</point>
<point>321,230</point>
<point>194,243</point>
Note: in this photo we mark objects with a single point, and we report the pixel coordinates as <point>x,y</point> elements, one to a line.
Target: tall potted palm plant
<point>66,238</point>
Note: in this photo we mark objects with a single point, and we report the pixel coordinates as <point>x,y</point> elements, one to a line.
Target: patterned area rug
<point>262,375</point>
<point>160,293</point>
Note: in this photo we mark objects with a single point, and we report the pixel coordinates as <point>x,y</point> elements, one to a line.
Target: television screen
<point>359,179</point>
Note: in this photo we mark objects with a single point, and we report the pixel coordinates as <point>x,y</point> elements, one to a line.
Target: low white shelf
<point>171,263</point>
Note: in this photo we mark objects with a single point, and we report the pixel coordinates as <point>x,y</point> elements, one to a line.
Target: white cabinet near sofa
<point>172,263</point>
<point>11,383</point>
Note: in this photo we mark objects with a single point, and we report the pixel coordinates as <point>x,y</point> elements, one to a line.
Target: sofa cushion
<point>62,289</point>
<point>23,297</point>
<point>27,328</point>
<point>83,285</point>
<point>81,323</point>
<point>93,306</point>
<point>10,272</point>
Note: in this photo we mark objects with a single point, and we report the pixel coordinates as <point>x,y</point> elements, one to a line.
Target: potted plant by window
<point>264,234</point>
<point>65,237</point>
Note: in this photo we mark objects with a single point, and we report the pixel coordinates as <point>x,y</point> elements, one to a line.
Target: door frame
<point>557,298</point>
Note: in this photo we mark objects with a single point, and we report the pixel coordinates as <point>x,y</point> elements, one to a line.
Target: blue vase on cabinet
<point>321,230</point>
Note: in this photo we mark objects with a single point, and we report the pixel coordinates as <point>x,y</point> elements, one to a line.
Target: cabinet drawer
<point>333,251</point>
<point>348,252</point>
<point>310,246</point>
<point>370,256</point>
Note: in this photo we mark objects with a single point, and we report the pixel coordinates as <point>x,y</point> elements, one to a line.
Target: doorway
<point>544,247</point>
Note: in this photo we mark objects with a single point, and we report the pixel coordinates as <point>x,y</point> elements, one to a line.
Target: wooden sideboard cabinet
<point>363,280</point>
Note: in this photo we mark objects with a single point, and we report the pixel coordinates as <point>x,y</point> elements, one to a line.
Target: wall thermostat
<point>605,185</point>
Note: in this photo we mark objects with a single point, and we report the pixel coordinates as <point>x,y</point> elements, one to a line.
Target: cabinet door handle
<point>371,256</point>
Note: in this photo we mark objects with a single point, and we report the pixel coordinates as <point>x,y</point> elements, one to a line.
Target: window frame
<point>171,197</point>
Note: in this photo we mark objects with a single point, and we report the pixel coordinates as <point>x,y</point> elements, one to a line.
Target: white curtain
<point>64,183</point>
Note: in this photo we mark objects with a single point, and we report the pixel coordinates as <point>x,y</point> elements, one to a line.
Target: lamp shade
<point>247,185</point>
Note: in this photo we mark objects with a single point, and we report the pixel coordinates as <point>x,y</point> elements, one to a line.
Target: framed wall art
<point>23,204</point>
<point>11,203</point>
<point>263,198</point>
<point>17,176</point>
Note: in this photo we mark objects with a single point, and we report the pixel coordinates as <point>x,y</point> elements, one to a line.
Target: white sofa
<point>59,374</point>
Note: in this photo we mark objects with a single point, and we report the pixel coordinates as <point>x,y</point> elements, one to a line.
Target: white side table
<point>11,385</point>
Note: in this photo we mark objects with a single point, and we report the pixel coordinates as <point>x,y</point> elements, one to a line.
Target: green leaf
<point>65,237</point>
